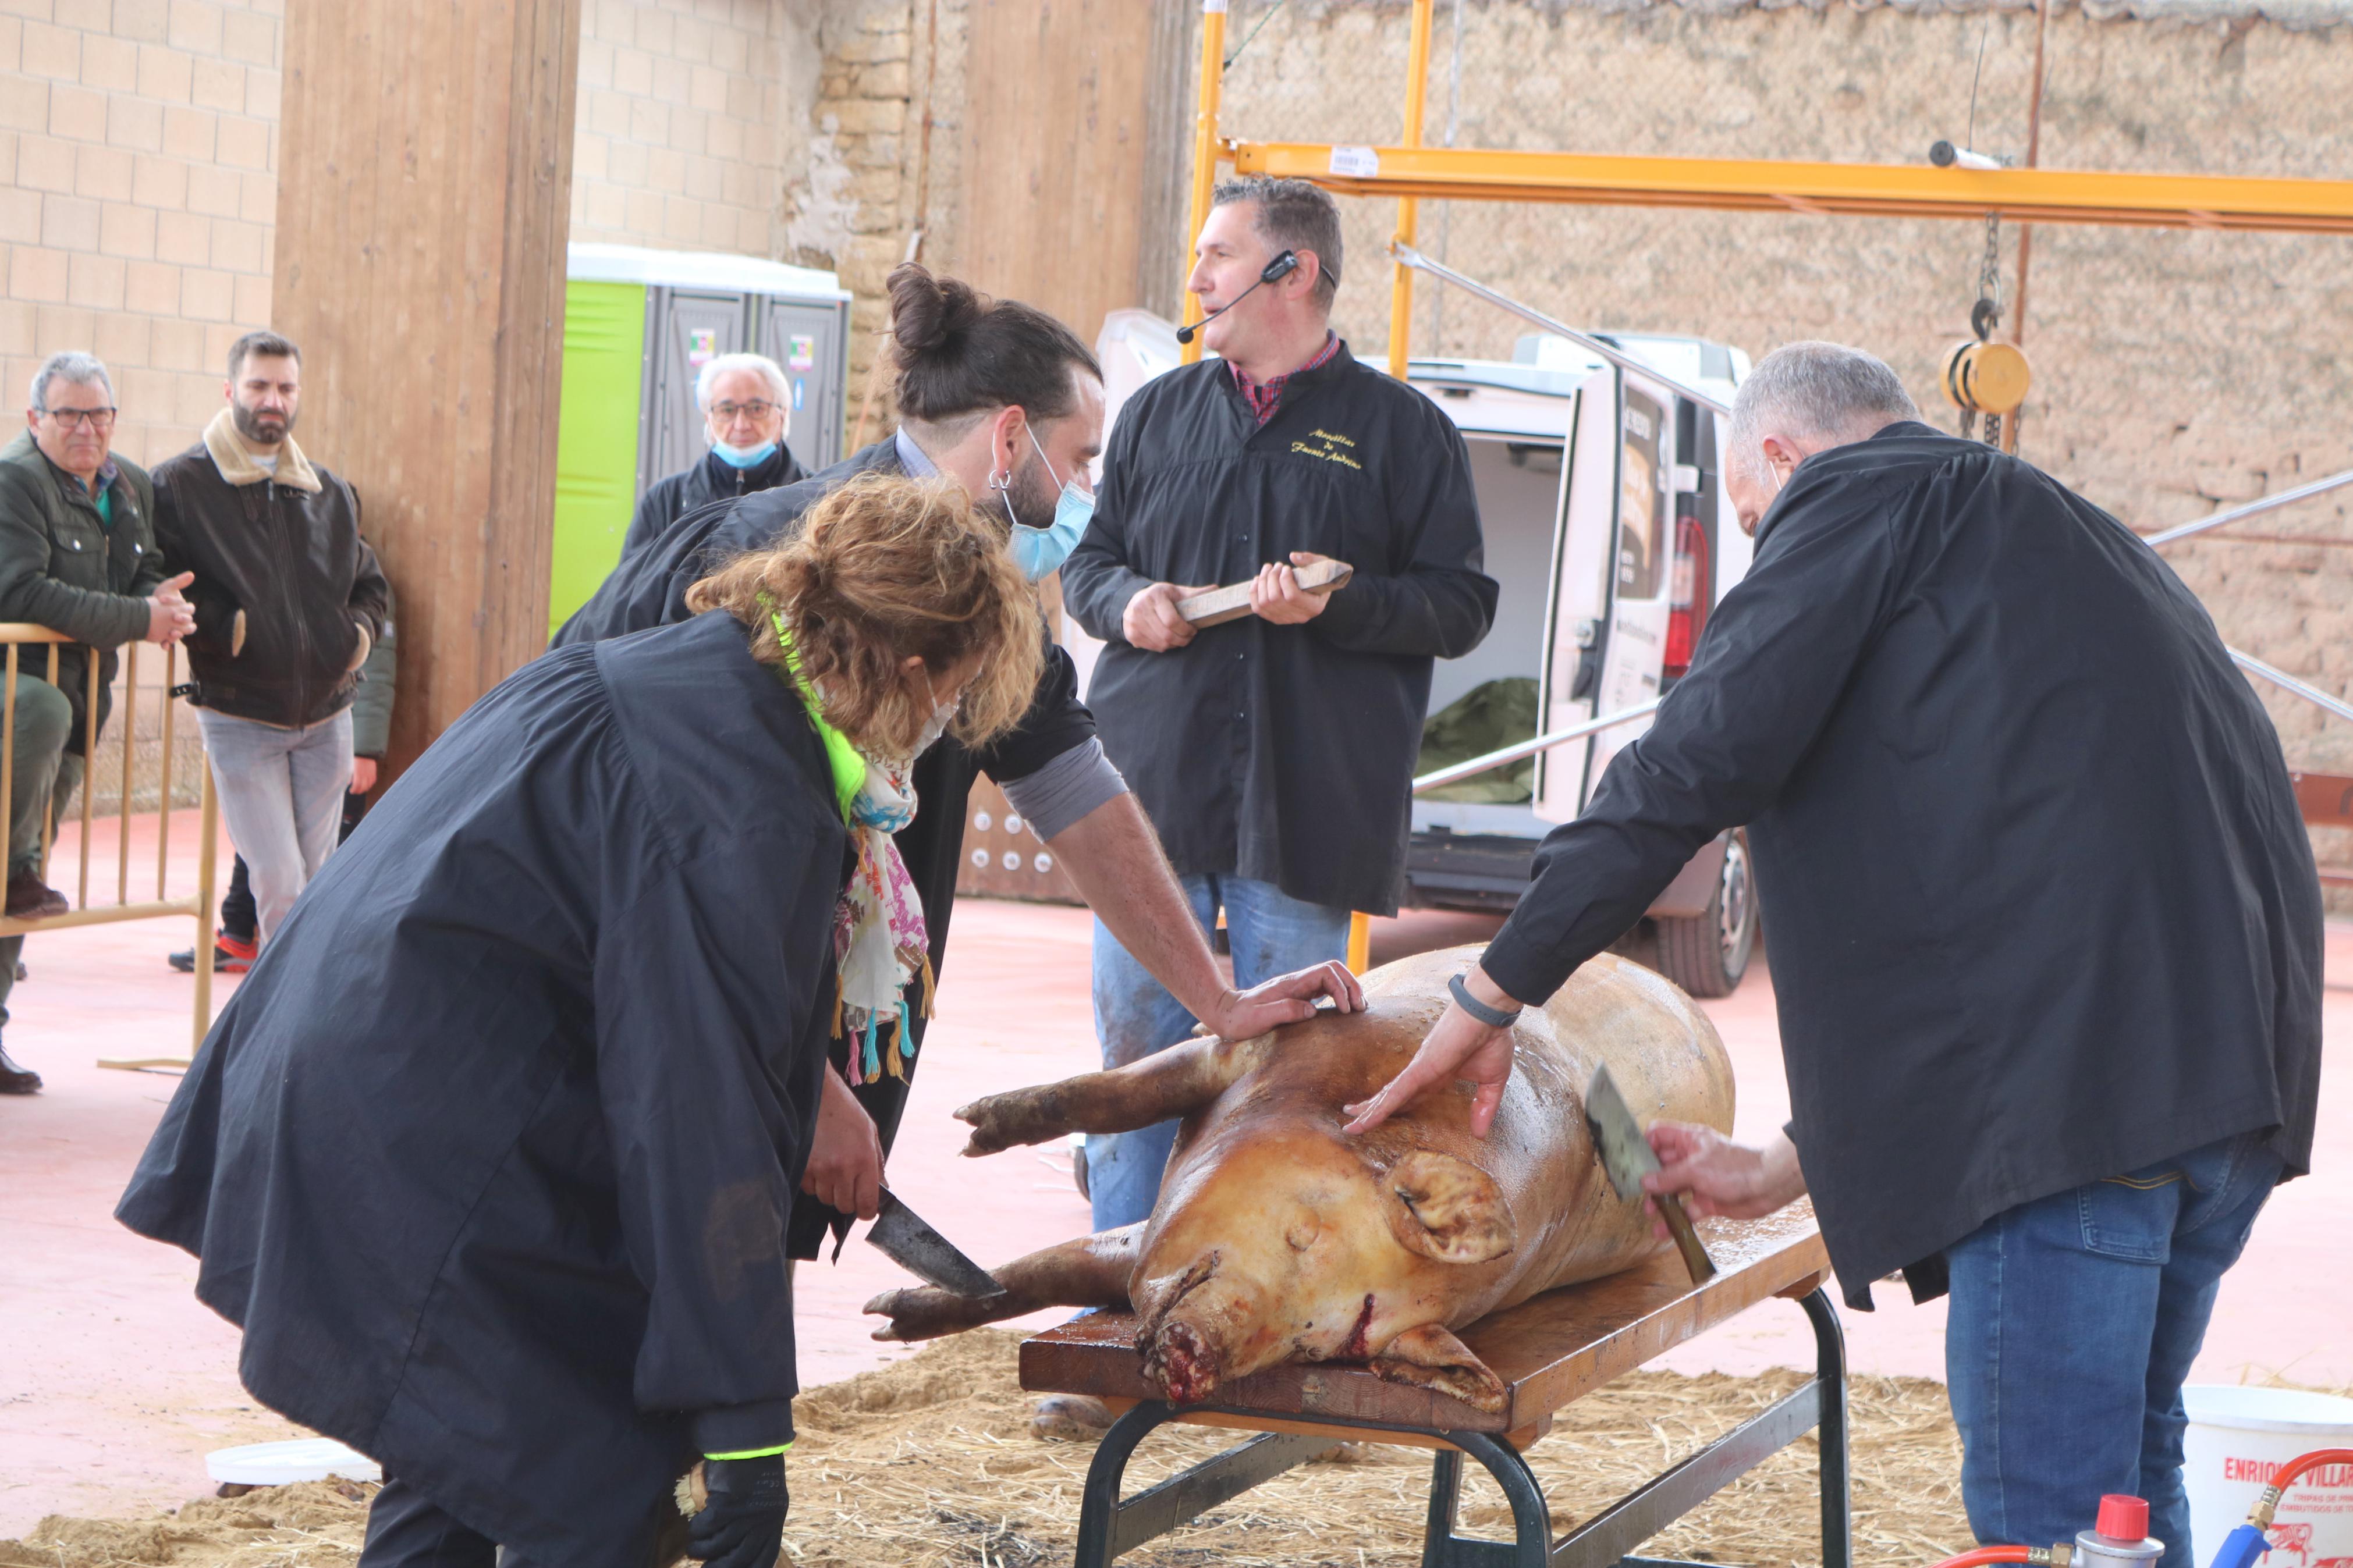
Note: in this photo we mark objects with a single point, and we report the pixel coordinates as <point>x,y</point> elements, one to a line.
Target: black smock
<point>491,1156</point>
<point>649,589</point>
<point>669,499</point>
<point>1282,753</point>
<point>2042,907</point>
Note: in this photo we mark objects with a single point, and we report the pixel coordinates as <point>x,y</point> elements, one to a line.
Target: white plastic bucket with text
<point>2237,1441</point>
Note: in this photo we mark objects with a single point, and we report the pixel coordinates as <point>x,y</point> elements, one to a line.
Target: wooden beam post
<point>423,203</point>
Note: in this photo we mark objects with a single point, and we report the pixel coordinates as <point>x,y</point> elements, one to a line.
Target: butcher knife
<point>1627,1157</point>
<point>927,1255</point>
<point>1232,602</point>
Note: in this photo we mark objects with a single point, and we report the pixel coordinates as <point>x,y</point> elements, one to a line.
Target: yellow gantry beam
<point>1762,185</point>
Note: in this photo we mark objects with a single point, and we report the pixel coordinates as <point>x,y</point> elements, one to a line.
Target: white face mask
<point>943,715</point>
<point>1766,467</point>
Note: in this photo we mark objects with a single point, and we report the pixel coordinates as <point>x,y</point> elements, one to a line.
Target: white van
<point>1608,531</point>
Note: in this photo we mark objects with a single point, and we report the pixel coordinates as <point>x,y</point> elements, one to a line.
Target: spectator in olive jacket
<point>289,601</point>
<point>76,556</point>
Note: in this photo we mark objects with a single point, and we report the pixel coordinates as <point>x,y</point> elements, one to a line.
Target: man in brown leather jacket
<point>287,599</point>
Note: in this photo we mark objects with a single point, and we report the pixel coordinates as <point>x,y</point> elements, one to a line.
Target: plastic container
<point>2238,1439</point>
<point>283,1464</point>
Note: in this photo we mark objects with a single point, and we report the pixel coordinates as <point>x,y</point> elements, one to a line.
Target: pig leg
<point>1092,1271</point>
<point>1162,1087</point>
<point>1431,1357</point>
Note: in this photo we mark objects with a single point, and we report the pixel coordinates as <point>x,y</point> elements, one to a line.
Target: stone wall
<point>2175,372</point>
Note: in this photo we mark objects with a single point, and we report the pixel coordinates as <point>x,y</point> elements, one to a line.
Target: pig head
<point>1278,1237</point>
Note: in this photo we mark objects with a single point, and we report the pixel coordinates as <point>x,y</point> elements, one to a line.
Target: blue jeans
<point>2074,1319</point>
<point>1271,933</point>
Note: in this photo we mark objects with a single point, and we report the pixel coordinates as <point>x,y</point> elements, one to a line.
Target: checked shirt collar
<point>1265,396</point>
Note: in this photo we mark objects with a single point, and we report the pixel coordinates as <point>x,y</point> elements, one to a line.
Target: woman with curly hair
<point>493,1155</point>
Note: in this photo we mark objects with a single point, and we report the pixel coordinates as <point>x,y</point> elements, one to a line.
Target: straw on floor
<point>929,1463</point>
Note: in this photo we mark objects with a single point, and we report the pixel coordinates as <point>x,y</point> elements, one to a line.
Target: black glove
<point>743,1524</point>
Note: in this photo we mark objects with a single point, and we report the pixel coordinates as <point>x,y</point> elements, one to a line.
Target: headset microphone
<point>1283,266</point>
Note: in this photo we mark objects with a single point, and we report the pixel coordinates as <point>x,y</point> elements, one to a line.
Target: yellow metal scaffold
<point>1410,171</point>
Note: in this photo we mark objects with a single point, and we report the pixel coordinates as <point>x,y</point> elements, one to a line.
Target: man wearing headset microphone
<point>1274,753</point>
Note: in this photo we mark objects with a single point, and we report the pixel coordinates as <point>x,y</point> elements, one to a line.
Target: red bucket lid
<point>2123,1517</point>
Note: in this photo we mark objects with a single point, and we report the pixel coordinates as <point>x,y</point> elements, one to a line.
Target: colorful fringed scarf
<point>880,945</point>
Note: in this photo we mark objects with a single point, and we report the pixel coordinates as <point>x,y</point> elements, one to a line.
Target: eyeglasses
<point>725,413</point>
<point>101,419</point>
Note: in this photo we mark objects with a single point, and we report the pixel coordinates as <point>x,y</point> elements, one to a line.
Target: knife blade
<point>906,1240</point>
<point>1627,1157</point>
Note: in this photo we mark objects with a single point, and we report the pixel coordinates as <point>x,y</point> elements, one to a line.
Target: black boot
<point>14,1079</point>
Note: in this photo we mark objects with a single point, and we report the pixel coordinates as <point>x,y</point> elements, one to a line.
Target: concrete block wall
<point>684,122</point>
<point>138,188</point>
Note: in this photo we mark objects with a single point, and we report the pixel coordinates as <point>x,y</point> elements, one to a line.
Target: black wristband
<point>1493,1017</point>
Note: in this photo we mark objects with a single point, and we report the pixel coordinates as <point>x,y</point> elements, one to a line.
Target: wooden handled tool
<point>1231,602</point>
<point>1627,1158</point>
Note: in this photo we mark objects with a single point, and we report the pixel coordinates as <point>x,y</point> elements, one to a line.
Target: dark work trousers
<point>238,918</point>
<point>405,1529</point>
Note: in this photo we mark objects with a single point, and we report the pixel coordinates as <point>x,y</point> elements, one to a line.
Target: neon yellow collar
<point>849,767</point>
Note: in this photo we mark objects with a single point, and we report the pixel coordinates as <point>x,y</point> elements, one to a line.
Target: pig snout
<point>1182,1363</point>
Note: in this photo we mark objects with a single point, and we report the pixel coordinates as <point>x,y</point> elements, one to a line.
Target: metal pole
<point>207,865</point>
<point>164,784</point>
<point>1407,256</point>
<point>2286,682</point>
<point>1512,753</point>
<point>1416,87</point>
<point>129,728</point>
<point>2026,230</point>
<point>1205,147</point>
<point>2263,504</point>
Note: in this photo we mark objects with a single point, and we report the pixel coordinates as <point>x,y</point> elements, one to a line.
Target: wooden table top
<point>1548,1351</point>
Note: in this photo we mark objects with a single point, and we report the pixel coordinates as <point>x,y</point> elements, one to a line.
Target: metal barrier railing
<point>16,637</point>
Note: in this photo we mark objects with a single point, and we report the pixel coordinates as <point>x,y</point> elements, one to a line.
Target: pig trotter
<point>926,1312</point>
<point>1431,1357</point>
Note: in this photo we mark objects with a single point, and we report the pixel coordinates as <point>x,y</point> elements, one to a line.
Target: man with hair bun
<point>1274,753</point>
<point>2046,928</point>
<point>1004,400</point>
<point>747,417</point>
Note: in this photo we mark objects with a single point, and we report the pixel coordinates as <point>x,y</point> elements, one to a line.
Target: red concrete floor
<point>114,1383</point>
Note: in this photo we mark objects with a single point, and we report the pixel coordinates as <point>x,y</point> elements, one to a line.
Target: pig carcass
<point>1278,1237</point>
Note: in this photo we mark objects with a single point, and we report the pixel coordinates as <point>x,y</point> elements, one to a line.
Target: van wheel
<point>1707,954</point>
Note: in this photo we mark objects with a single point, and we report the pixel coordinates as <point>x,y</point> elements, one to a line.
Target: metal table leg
<point>1109,1527</point>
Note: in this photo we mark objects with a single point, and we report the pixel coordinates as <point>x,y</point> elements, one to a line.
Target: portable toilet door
<point>686,329</point>
<point>810,341</point>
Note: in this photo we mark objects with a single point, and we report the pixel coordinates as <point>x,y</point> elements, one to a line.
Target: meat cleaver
<point>906,1240</point>
<point>1627,1158</point>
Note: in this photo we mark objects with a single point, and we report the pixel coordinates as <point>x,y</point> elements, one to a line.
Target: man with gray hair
<point>746,416</point>
<point>2046,929</point>
<point>76,556</point>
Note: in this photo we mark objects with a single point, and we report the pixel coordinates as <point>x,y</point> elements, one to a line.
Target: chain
<point>1989,269</point>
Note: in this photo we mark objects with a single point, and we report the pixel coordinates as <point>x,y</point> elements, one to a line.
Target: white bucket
<point>283,1464</point>
<point>2237,1441</point>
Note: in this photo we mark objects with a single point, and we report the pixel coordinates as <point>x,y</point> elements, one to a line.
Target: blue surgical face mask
<point>1038,551</point>
<point>744,457</point>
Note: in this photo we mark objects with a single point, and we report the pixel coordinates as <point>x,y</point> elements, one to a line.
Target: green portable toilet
<point>638,326</point>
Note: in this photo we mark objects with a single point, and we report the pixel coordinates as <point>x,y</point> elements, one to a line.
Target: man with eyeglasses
<point>76,556</point>
<point>746,415</point>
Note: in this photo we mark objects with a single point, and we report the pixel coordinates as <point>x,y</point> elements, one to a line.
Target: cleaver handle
<point>1232,602</point>
<point>1678,1226</point>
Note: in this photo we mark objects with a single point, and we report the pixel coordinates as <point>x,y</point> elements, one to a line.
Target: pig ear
<point>1448,1210</point>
